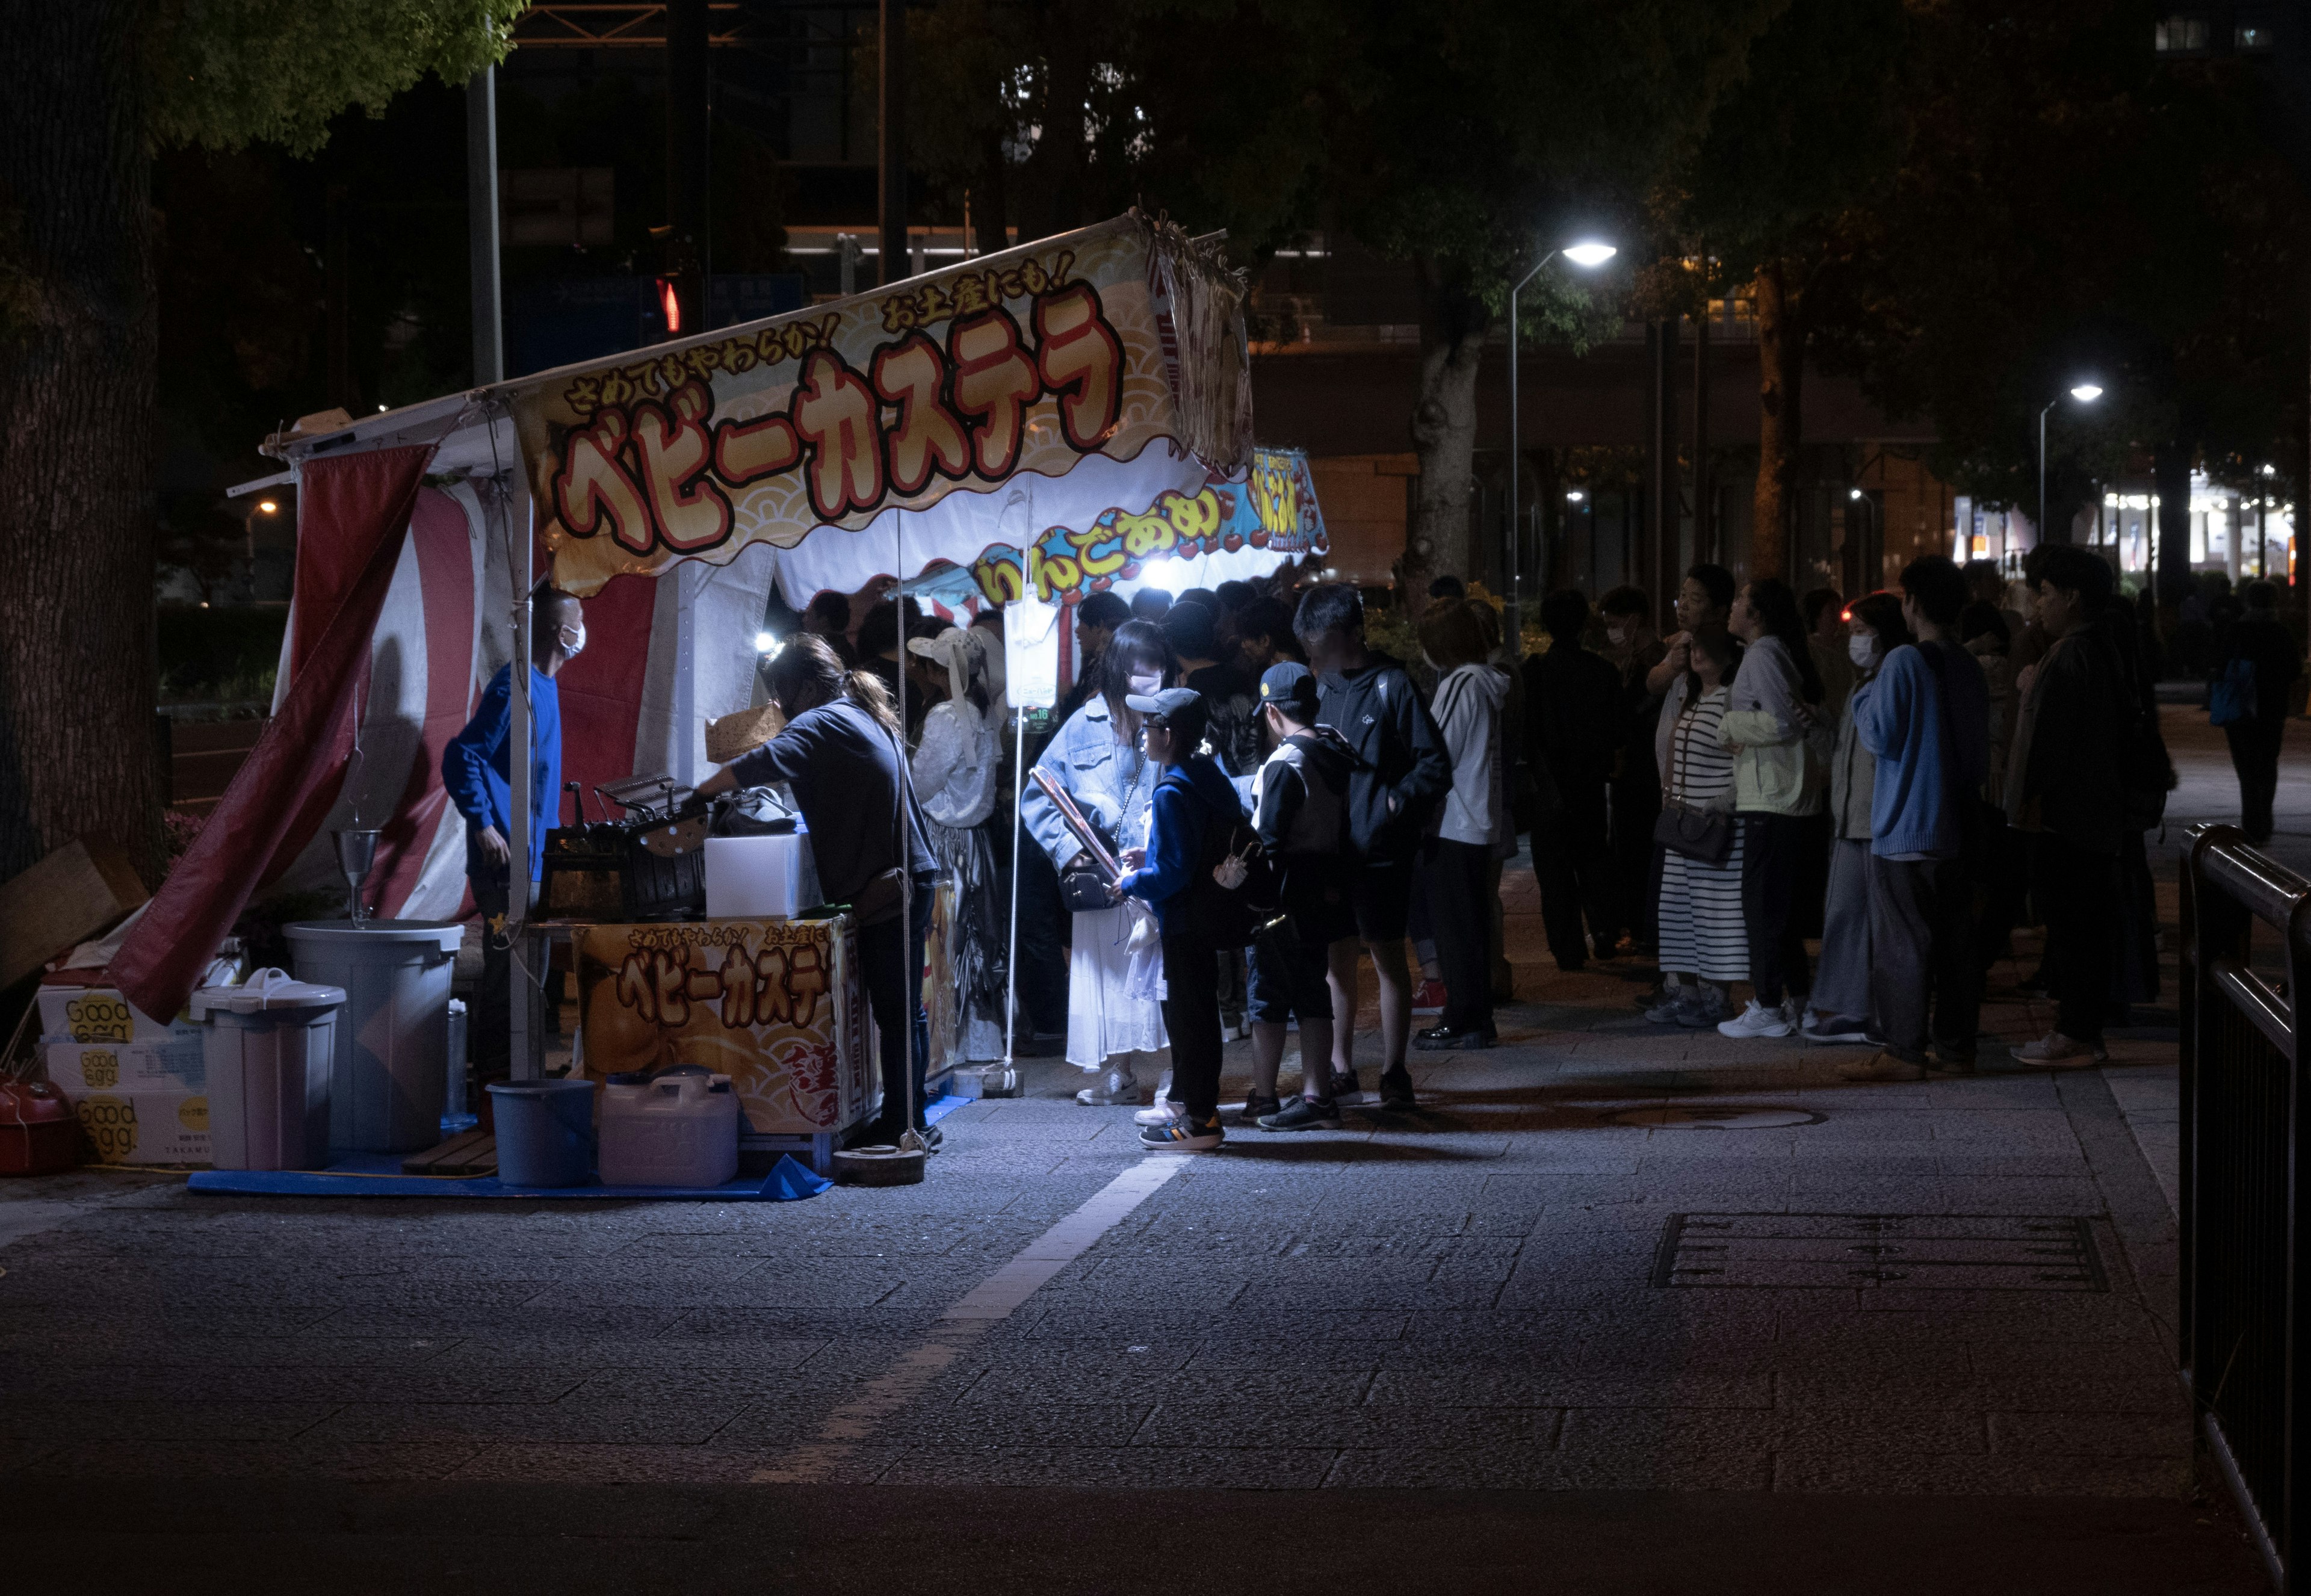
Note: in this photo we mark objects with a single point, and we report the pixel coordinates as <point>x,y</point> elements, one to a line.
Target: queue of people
<point>1903,777</point>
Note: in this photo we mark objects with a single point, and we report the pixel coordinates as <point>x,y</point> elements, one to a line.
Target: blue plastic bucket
<point>545,1132</point>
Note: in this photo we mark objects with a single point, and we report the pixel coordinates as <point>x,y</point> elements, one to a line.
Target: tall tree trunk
<point>1781,371</point>
<point>1053,198</point>
<point>1441,537</point>
<point>78,343</point>
<point>2170,475</point>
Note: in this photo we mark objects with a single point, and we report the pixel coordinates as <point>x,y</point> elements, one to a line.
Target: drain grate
<point>1912,1252</point>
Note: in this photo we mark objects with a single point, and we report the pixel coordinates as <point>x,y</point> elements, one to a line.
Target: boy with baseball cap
<point>1189,823</point>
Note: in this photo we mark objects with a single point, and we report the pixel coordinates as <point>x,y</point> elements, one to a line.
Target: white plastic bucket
<point>393,1037</point>
<point>269,1049</point>
<point>674,1129</point>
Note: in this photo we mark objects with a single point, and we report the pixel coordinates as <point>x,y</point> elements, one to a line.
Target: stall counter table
<point>776,1005</point>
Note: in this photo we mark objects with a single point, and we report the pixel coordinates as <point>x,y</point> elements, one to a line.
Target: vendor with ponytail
<point>840,755</point>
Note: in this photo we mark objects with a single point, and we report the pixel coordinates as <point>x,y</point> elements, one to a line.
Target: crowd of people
<point>1242,800</point>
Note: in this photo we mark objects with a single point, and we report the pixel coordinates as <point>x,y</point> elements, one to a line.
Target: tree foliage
<point>223,73</point>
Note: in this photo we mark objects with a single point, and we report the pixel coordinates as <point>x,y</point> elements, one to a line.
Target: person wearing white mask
<point>1097,761</point>
<point>956,767</point>
<point>1840,1008</point>
<point>477,774</point>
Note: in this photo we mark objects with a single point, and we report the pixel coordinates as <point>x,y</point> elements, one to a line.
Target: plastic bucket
<point>393,1035</point>
<point>545,1132</point>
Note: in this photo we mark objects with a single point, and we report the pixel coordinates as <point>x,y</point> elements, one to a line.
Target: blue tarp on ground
<point>378,1174</point>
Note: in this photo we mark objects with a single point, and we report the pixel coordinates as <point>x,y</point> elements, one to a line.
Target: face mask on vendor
<point>573,639</point>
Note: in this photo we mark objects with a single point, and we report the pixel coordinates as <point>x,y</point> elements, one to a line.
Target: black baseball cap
<point>1291,687</point>
<point>1183,708</point>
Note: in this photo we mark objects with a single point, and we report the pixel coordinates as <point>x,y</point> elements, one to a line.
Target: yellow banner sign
<point>1108,341</point>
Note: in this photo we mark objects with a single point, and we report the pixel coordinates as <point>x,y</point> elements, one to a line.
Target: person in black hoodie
<point>1574,718</point>
<point>1194,814</point>
<point>1402,773</point>
<point>1301,812</point>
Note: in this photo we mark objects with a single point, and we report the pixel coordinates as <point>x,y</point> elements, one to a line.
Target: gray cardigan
<point>1852,778</point>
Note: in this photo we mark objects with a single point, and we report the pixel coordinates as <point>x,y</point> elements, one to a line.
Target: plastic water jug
<point>677,1128</point>
<point>270,1054</point>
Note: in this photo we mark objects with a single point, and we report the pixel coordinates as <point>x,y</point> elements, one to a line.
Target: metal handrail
<point>2244,1105</point>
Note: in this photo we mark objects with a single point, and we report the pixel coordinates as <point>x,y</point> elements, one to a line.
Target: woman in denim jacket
<point>1097,759</point>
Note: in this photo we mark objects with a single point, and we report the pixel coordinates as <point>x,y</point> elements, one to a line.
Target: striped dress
<point>1701,930</point>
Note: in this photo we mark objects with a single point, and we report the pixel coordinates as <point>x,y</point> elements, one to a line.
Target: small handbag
<point>1702,835</point>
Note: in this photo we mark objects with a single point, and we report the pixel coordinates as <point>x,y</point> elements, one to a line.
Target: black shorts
<point>1383,901</point>
<point>1287,986</point>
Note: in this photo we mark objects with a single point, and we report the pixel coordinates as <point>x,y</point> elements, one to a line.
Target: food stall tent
<point>1093,380</point>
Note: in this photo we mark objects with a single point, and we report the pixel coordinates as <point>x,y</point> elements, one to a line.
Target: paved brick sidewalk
<point>1605,1257</point>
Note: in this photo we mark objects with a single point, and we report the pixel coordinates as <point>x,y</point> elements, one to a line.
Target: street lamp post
<point>2085,393</point>
<point>1588,256</point>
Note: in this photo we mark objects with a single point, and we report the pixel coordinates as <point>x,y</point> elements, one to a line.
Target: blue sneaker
<point>1185,1134</point>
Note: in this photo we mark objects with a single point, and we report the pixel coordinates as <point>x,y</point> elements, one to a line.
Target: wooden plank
<point>81,889</point>
<point>468,1153</point>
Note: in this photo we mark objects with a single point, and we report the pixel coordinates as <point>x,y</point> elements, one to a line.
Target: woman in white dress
<point>1097,759</point>
<point>1704,941</point>
<point>956,768</point>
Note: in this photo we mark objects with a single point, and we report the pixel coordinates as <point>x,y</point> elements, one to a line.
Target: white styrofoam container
<point>100,1014</point>
<point>145,1127</point>
<point>677,1130</point>
<point>79,1068</point>
<point>756,877</point>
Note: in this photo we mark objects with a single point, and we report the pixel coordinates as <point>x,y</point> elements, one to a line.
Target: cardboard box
<point>79,1068</point>
<point>145,1127</point>
<point>79,890</point>
<point>776,1005</point>
<point>100,1014</point>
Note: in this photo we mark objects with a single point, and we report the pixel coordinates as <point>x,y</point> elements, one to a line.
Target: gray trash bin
<point>393,1034</point>
<point>271,1055</point>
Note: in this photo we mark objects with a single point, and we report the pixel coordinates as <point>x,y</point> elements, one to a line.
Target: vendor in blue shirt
<point>476,771</point>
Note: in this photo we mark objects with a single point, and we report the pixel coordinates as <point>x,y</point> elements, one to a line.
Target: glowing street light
<point>1588,254</point>
<point>2085,393</point>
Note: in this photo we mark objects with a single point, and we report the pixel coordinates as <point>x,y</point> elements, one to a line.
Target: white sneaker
<point>1114,1087</point>
<point>1165,1112</point>
<point>1758,1020</point>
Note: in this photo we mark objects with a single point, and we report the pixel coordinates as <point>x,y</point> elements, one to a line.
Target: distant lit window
<point>2253,33</point>
<point>2177,35</point>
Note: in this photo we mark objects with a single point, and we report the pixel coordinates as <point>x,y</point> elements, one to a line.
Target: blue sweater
<point>476,768</point>
<point>1921,779</point>
<point>1175,838</point>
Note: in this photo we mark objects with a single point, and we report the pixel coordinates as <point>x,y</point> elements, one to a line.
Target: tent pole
<point>1011,958</point>
<point>517,926</point>
<point>907,963</point>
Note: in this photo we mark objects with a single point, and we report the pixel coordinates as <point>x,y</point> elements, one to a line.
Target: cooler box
<point>679,1128</point>
<point>271,1052</point>
<point>393,1034</point>
<point>756,877</point>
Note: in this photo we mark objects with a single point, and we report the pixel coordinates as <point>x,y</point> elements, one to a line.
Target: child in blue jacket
<point>1194,812</point>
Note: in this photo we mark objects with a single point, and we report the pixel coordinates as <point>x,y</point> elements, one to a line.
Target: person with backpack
<point>2249,701</point>
<point>1401,775</point>
<point>1191,825</point>
<point>1924,717</point>
<point>1300,808</point>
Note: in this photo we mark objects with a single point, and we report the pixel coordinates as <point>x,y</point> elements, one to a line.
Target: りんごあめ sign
<point>1030,360</point>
